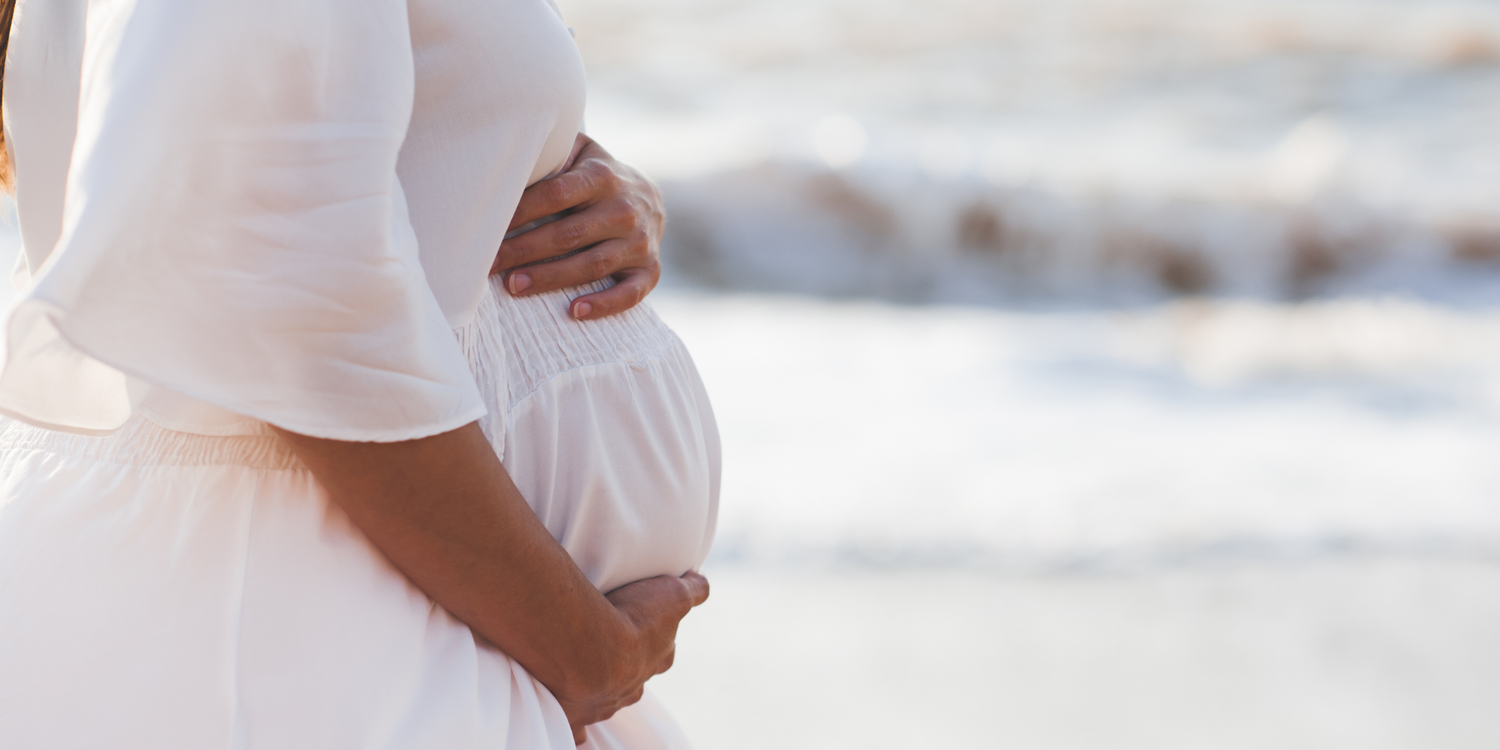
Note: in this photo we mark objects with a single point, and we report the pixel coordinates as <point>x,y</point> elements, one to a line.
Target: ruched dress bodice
<point>283,213</point>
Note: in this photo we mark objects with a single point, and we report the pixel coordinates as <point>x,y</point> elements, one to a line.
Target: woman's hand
<point>653,608</point>
<point>613,213</point>
<point>444,511</point>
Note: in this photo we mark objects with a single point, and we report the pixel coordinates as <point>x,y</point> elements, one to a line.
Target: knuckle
<point>556,190</point>
<point>635,256</point>
<point>629,218</point>
<point>639,236</point>
<point>615,217</point>
<point>600,168</point>
<point>571,234</point>
<point>605,180</point>
<point>589,176</point>
<point>613,179</point>
<point>600,264</point>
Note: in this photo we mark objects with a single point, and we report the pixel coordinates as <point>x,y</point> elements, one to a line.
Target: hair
<point>7,170</point>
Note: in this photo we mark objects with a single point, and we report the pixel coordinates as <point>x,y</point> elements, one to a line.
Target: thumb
<point>697,586</point>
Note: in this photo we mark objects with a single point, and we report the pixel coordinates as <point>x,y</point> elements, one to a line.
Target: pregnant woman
<point>284,466</point>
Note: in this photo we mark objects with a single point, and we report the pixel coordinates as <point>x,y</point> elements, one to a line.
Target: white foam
<point>1179,434</point>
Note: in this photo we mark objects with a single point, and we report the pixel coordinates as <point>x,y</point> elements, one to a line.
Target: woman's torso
<point>499,100</point>
<point>165,589</point>
<point>604,425</point>
<point>499,96</point>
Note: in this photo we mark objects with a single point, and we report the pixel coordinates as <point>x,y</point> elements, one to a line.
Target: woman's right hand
<point>446,513</point>
<point>651,609</point>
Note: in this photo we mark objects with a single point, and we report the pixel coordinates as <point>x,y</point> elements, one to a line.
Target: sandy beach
<point>1363,654</point>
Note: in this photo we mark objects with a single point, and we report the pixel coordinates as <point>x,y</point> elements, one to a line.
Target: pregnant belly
<point>607,431</point>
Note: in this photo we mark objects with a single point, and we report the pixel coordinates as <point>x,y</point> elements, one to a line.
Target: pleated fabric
<point>175,591</point>
<point>241,214</point>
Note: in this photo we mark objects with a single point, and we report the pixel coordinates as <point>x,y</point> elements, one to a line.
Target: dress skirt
<point>174,591</point>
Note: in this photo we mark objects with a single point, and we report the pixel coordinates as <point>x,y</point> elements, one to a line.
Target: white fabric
<point>212,208</point>
<point>229,245</point>
<point>172,591</point>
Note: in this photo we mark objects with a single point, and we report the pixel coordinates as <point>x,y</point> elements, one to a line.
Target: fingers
<point>598,262</point>
<point>662,600</point>
<point>631,286</point>
<point>677,595</point>
<point>612,228</point>
<point>610,219</point>
<point>697,586</point>
<point>586,180</point>
<point>636,273</point>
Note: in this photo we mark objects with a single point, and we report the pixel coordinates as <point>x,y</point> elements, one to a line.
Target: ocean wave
<point>867,233</point>
<point>1194,433</point>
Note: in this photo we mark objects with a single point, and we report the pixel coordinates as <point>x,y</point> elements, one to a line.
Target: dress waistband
<point>513,346</point>
<point>142,443</point>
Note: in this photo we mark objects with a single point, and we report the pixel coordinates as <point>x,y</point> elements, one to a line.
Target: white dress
<point>239,214</point>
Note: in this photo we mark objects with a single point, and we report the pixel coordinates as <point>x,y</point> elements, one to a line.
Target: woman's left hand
<point>611,210</point>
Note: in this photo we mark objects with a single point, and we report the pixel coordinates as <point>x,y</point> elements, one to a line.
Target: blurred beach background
<point>1092,374</point>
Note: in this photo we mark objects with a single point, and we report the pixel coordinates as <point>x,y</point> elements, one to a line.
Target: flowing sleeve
<point>234,230</point>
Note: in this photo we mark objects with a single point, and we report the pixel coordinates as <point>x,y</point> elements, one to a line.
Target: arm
<point>446,513</point>
<point>613,211</point>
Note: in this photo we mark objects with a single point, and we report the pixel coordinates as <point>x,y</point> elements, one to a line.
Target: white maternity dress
<point>283,212</point>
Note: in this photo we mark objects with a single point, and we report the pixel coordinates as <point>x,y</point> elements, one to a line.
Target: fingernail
<point>581,310</point>
<point>519,282</point>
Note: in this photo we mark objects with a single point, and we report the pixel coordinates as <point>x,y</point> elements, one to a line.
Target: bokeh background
<point>1093,374</point>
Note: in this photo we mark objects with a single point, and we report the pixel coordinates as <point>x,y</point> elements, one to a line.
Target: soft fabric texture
<point>167,591</point>
<point>240,214</point>
<point>222,205</point>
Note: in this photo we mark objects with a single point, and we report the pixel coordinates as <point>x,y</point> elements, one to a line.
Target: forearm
<point>445,512</point>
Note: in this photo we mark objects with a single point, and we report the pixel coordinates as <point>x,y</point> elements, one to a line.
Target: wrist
<point>602,661</point>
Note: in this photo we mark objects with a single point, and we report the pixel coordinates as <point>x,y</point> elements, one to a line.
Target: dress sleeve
<point>234,230</point>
